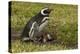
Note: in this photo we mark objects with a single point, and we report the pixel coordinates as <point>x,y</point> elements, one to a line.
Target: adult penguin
<point>36,25</point>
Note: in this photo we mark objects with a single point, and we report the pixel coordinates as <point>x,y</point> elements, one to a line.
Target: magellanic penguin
<point>35,25</point>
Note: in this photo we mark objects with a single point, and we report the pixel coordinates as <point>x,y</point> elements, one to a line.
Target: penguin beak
<point>49,10</point>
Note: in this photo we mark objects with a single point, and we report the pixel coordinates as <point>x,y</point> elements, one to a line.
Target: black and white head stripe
<point>42,11</point>
<point>45,11</point>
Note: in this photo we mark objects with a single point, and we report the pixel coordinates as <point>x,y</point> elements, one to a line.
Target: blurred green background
<point>63,24</point>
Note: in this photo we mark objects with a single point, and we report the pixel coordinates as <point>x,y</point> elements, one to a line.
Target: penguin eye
<point>46,11</point>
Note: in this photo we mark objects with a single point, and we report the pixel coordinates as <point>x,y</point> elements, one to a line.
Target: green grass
<point>18,46</point>
<point>63,24</point>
